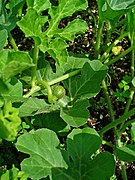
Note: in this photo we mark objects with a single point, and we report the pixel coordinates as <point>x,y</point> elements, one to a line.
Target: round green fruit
<point>59,91</point>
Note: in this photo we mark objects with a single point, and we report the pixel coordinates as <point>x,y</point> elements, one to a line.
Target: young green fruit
<point>59,91</point>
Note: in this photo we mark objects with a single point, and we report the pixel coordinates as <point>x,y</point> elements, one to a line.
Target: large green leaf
<point>103,165</point>
<point>13,62</point>
<point>88,83</point>
<point>69,32</point>
<point>51,121</point>
<point>76,115</point>
<point>74,163</point>
<point>64,9</point>
<point>107,13</point>
<point>50,37</point>
<point>31,24</point>
<point>126,153</point>
<point>31,105</point>
<point>41,145</point>
<point>120,4</point>
<point>81,144</point>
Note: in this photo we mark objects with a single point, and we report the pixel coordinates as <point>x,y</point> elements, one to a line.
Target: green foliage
<point>14,174</point>
<point>9,121</point>
<point>45,159</point>
<point>47,92</point>
<point>126,153</point>
<point>13,62</point>
<point>123,92</point>
<point>52,39</point>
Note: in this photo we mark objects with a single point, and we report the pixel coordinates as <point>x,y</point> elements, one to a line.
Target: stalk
<point>132,76</point>
<point>36,88</point>
<point>123,168</point>
<point>117,121</point>
<point>104,86</point>
<point>66,76</point>
<point>12,41</point>
<point>98,39</point>
<point>35,60</point>
<point>49,90</point>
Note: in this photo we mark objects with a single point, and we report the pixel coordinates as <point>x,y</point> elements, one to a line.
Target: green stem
<point>129,101</point>
<point>12,41</point>
<point>117,121</point>
<point>35,61</point>
<point>49,90</point>
<point>32,91</point>
<point>50,83</point>
<point>132,76</point>
<point>103,57</point>
<point>104,86</point>
<point>108,144</point>
<point>123,168</point>
<point>66,76</point>
<point>128,123</point>
<point>120,56</point>
<point>132,60</point>
<point>98,39</point>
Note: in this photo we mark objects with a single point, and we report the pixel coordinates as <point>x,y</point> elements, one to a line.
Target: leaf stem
<point>35,60</point>
<point>123,168</point>
<point>36,88</point>
<point>128,123</point>
<point>12,41</point>
<point>117,121</point>
<point>98,39</point>
<point>66,76</point>
<point>49,90</point>
<point>131,96</point>
<point>104,86</point>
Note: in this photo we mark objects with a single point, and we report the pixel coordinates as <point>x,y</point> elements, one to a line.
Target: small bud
<point>116,50</point>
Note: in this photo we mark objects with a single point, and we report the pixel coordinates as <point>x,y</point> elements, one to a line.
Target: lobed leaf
<point>87,84</point>
<point>120,4</point>
<point>41,145</point>
<point>51,39</point>
<point>81,144</point>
